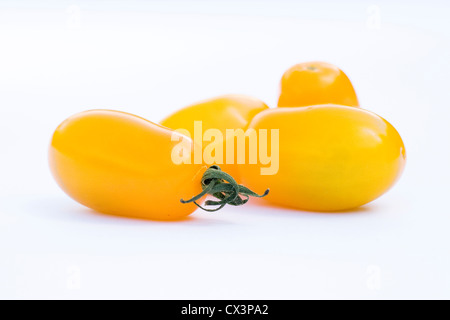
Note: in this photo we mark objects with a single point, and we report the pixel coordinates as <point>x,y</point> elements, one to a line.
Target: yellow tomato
<point>222,113</point>
<point>314,83</point>
<point>120,164</point>
<point>331,158</point>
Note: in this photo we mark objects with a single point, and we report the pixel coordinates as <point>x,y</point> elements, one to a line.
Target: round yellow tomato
<point>220,113</point>
<point>314,83</point>
<point>117,163</point>
<point>331,158</point>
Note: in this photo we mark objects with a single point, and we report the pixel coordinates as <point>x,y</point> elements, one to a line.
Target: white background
<point>150,58</point>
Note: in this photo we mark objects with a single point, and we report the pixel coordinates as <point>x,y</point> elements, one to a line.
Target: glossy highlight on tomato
<point>120,164</point>
<point>331,158</point>
<point>314,83</point>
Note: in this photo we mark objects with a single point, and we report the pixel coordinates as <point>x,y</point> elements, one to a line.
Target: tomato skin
<point>314,83</point>
<point>117,163</point>
<point>331,158</point>
<point>222,113</point>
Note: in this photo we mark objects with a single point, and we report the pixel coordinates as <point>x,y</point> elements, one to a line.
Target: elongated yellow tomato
<point>331,158</point>
<point>314,83</point>
<point>224,112</point>
<point>120,164</point>
<point>220,113</point>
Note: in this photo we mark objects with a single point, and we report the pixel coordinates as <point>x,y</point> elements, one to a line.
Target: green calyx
<point>222,186</point>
